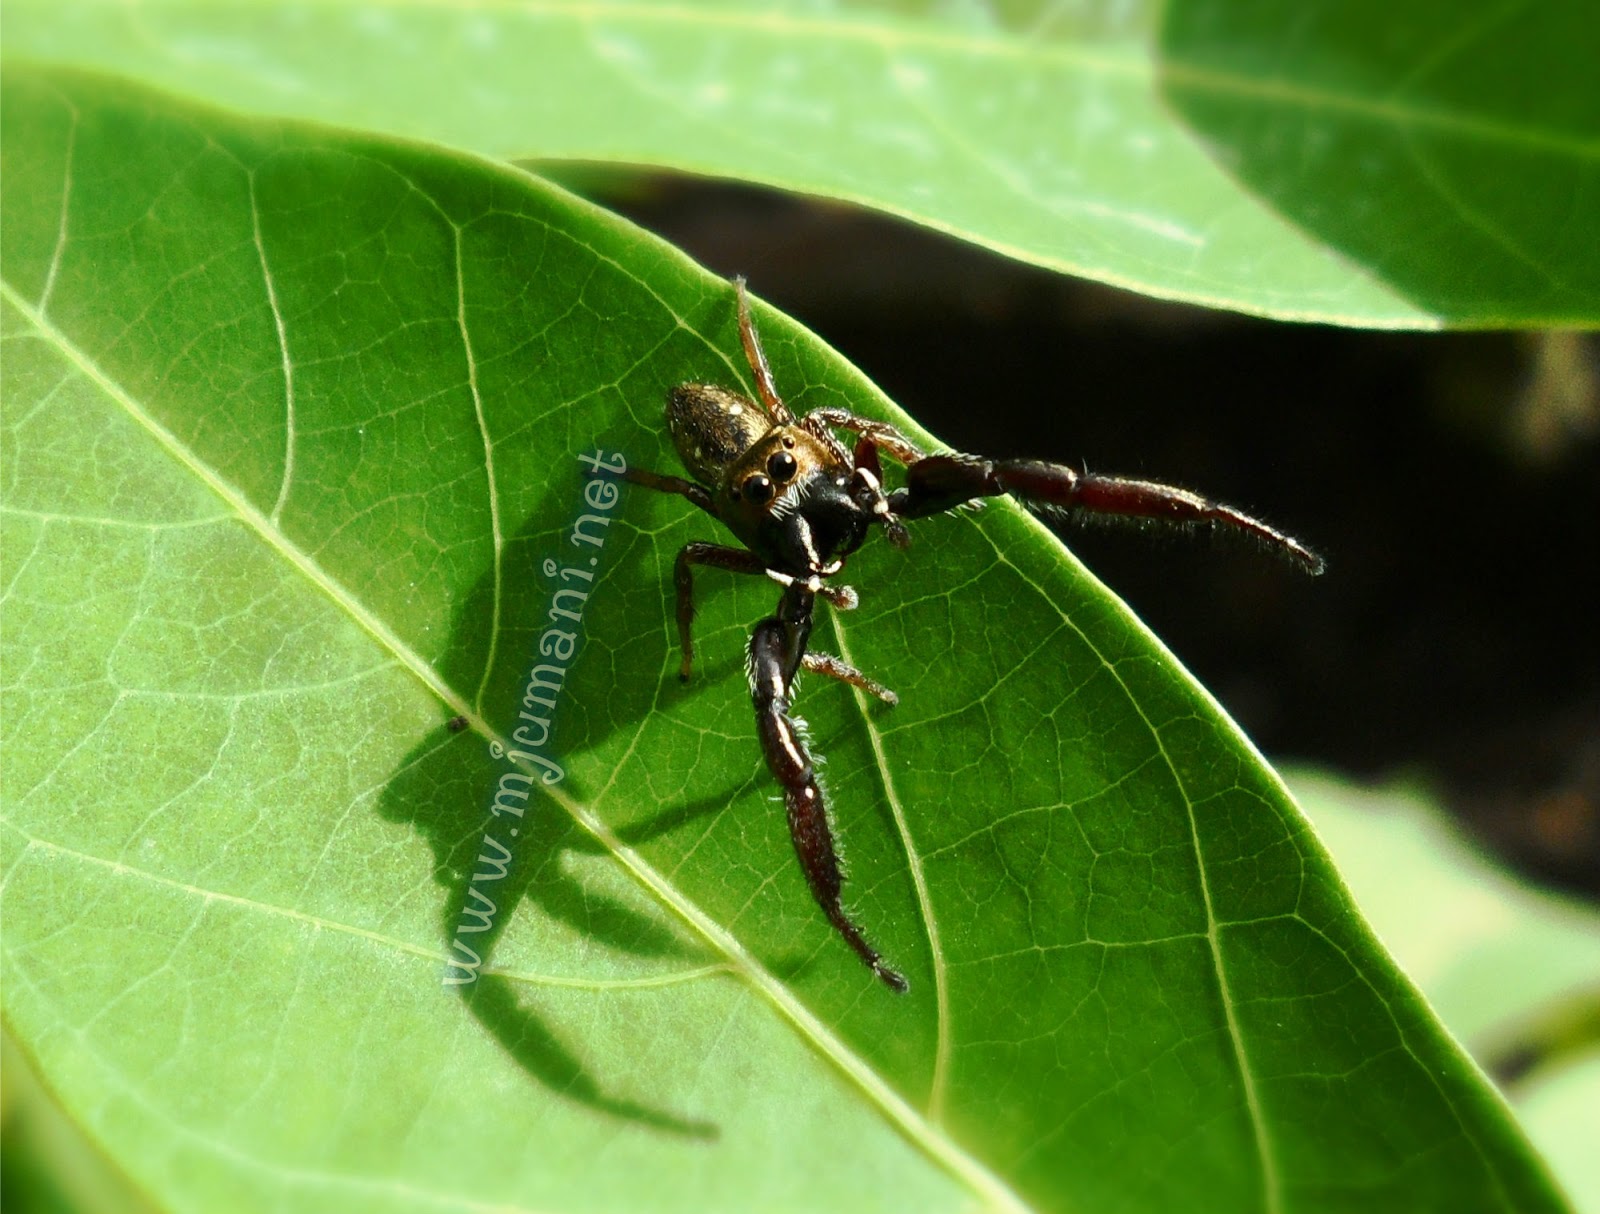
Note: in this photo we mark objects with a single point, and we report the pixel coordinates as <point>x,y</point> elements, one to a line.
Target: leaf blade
<point>1044,135</point>
<point>275,730</point>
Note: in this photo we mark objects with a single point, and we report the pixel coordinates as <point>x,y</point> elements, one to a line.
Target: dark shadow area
<point>446,787</point>
<point>536,1047</point>
<point>1407,142</point>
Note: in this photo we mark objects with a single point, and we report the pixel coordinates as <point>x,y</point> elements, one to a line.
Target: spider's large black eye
<point>782,467</point>
<point>758,489</point>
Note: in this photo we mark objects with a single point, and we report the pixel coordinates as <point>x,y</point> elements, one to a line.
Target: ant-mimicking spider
<point>800,502</point>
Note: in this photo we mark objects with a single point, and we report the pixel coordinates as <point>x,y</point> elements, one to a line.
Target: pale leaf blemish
<point>281,327</point>
<point>901,138</point>
<point>910,77</point>
<point>713,94</point>
<point>618,50</point>
<point>481,33</point>
<point>61,229</point>
<point>1153,224</point>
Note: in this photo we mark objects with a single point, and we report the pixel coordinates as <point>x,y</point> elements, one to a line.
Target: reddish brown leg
<point>942,482</point>
<point>874,436</point>
<point>776,650</point>
<point>881,434</point>
<point>671,484</point>
<point>737,560</point>
<point>757,357</point>
<point>869,472</point>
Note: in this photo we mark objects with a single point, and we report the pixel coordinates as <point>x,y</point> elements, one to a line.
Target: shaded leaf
<point>293,420</point>
<point>1450,151</point>
<point>1367,164</point>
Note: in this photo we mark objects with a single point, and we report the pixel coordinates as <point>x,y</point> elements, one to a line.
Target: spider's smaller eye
<point>758,489</point>
<point>782,467</point>
<point>788,441</point>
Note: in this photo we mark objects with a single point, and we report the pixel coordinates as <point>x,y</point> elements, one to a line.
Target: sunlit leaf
<point>1366,163</point>
<point>293,421</point>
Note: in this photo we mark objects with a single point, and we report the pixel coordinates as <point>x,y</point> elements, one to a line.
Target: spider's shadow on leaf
<point>445,788</point>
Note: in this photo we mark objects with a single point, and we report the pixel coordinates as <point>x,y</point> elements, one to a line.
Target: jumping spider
<point>800,502</point>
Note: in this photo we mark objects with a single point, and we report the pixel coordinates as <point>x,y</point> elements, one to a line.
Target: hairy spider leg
<point>866,467</point>
<point>742,560</point>
<point>942,482</point>
<point>870,468</point>
<point>757,357</point>
<point>881,434</point>
<point>777,648</point>
<point>838,668</point>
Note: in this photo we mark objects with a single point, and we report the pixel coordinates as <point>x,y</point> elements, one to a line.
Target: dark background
<point>1452,481</point>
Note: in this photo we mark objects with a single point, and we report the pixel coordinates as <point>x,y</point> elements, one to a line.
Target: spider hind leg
<point>777,650</point>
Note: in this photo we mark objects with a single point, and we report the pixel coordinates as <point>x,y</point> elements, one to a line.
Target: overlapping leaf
<point>293,423</point>
<point>1365,163</point>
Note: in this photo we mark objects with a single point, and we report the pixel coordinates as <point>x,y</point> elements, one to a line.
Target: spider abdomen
<point>712,427</point>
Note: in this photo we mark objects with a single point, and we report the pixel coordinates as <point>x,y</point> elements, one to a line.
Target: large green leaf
<point>1368,163</point>
<point>293,419</point>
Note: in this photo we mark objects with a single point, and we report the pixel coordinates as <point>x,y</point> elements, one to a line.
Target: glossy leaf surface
<point>293,419</point>
<point>1365,163</point>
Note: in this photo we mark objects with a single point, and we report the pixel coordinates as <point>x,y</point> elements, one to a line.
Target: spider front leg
<point>868,469</point>
<point>942,482</point>
<point>777,649</point>
<point>878,434</point>
<point>757,358</point>
<point>671,484</point>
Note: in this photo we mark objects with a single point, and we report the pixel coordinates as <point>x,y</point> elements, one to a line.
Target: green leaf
<point>293,419</point>
<point>1365,163</point>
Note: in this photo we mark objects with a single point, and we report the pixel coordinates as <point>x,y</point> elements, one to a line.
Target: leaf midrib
<point>321,923</point>
<point>928,1137</point>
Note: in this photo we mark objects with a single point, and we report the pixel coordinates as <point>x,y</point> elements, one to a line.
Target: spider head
<point>794,499</point>
<point>794,503</point>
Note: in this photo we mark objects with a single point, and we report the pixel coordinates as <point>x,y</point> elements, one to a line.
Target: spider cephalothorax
<point>800,502</point>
